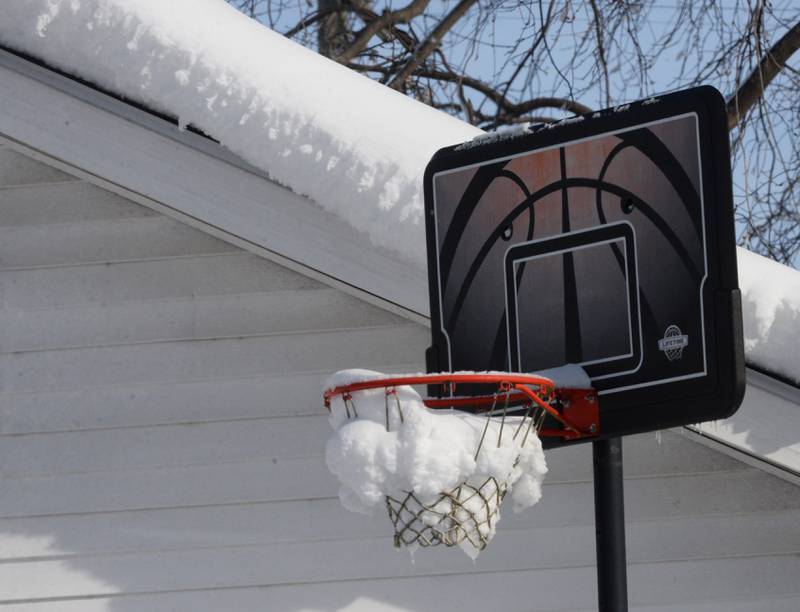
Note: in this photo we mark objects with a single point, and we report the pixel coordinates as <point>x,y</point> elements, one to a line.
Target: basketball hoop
<point>523,405</point>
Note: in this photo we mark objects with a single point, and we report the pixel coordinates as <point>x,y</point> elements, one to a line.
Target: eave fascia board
<point>765,431</point>
<point>142,156</point>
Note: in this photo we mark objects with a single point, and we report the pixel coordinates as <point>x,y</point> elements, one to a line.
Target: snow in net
<point>353,146</point>
<point>427,452</point>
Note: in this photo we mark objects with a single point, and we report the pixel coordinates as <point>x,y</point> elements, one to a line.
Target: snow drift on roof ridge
<point>355,147</point>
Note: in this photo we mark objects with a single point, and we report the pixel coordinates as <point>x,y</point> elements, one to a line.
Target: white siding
<point>162,438</point>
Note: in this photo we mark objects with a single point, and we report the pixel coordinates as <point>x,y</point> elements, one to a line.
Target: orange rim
<point>537,390</point>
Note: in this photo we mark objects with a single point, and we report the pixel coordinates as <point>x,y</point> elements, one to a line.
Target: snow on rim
<point>353,146</point>
<point>380,449</point>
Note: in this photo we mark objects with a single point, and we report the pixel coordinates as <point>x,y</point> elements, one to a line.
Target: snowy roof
<point>356,148</point>
<point>771,310</point>
<point>353,146</point>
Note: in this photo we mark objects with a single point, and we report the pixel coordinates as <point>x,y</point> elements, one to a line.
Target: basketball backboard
<point>607,241</point>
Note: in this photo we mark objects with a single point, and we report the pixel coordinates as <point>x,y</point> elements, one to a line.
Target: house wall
<point>162,445</point>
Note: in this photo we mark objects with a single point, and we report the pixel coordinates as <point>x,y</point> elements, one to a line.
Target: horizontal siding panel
<point>327,561</point>
<point>16,169</point>
<point>561,505</point>
<point>178,277</point>
<point>421,594</point>
<point>725,579</point>
<point>765,604</point>
<point>670,454</point>
<point>205,359</point>
<point>254,481</point>
<point>64,203</point>
<point>180,528</point>
<point>709,493</point>
<point>324,519</point>
<point>203,401</point>
<point>163,446</point>
<point>713,536</point>
<point>276,479</point>
<point>277,564</point>
<point>183,445</point>
<point>715,583</point>
<point>240,525</point>
<point>252,600</point>
<point>104,240</point>
<point>187,318</point>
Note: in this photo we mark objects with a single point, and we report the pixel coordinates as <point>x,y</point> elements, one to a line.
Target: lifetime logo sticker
<point>673,343</point>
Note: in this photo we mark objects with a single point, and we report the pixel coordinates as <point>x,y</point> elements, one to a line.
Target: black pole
<point>609,521</point>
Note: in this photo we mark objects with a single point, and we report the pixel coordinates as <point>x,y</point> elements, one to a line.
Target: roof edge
<point>125,108</point>
<point>187,175</point>
<point>781,378</point>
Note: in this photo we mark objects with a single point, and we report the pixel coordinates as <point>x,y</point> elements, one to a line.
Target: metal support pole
<point>609,520</point>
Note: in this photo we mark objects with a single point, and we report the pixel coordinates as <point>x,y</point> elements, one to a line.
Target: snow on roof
<point>771,310</point>
<point>355,147</point>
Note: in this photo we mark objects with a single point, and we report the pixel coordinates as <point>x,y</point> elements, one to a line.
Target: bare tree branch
<point>546,22</point>
<point>565,104</point>
<point>762,75</point>
<point>430,43</point>
<point>391,32</point>
<point>510,108</point>
<point>388,18</point>
<point>601,52</point>
<point>310,20</point>
<point>368,15</point>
